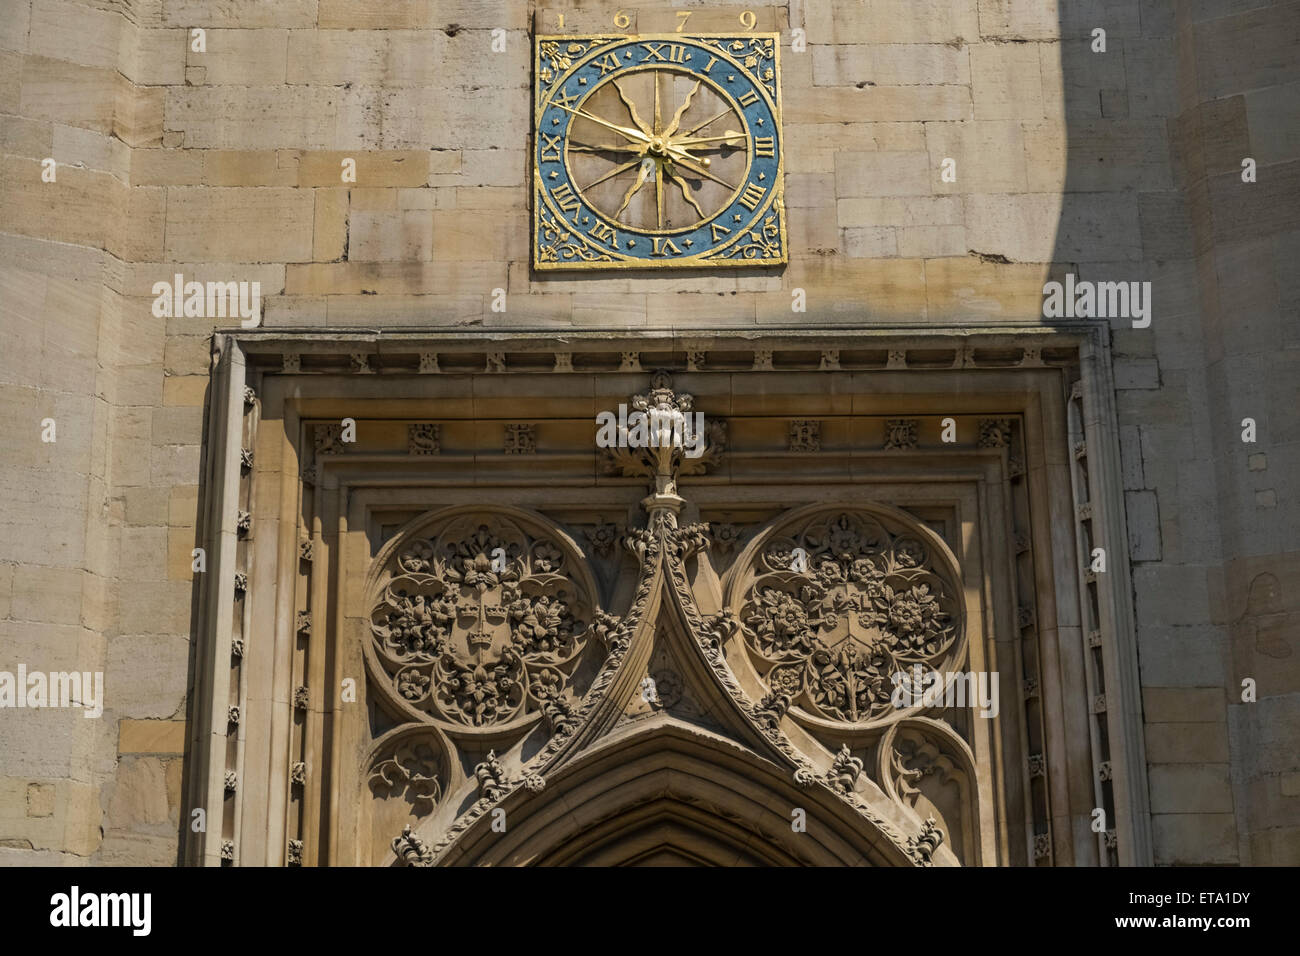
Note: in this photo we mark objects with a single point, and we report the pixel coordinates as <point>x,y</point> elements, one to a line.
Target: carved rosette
<point>833,607</point>
<point>480,622</point>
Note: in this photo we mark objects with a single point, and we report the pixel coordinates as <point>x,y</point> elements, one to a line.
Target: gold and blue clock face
<point>657,151</point>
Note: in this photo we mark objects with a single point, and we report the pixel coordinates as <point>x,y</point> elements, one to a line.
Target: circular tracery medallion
<point>837,609</point>
<point>481,621</point>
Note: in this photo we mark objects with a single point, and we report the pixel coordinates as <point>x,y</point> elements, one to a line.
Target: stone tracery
<point>836,614</point>
<point>481,623</point>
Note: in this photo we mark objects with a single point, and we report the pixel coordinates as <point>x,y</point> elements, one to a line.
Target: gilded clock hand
<point>631,109</point>
<point>692,132</point>
<point>728,139</point>
<point>700,171</point>
<point>682,185</point>
<point>635,135</point>
<point>646,165</point>
<point>686,103</point>
<point>604,148</point>
<point>612,173</point>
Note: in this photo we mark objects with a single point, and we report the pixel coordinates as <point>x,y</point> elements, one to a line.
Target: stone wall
<point>225,165</point>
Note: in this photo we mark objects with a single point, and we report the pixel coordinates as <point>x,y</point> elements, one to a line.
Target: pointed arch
<point>669,792</point>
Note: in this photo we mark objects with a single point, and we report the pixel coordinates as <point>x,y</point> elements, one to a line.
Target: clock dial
<point>657,151</point>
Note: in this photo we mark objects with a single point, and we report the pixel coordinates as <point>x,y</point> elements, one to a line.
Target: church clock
<point>657,151</point>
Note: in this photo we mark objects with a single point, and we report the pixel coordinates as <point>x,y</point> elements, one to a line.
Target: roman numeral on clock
<point>608,63</point>
<point>550,148</point>
<point>765,147</point>
<point>600,232</point>
<point>749,99</point>
<point>666,249</point>
<point>752,196</point>
<point>719,231</point>
<point>654,51</point>
<point>562,100</point>
<point>566,200</point>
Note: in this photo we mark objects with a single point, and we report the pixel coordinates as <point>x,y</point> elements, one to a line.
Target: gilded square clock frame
<point>777,203</point>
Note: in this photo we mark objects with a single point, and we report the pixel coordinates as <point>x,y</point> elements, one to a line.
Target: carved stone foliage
<point>833,606</point>
<point>482,621</point>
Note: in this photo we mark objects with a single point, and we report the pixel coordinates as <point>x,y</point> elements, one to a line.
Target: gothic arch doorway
<point>667,793</point>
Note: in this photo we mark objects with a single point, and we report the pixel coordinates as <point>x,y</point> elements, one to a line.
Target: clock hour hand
<point>635,135</point>
<point>604,148</point>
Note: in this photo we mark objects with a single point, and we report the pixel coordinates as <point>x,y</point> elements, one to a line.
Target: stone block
<point>931,242</point>
<point>94,43</point>
<point>167,167</point>
<point>1187,656</point>
<point>246,168</point>
<point>230,224</point>
<point>1190,788</point>
<point>1006,81</point>
<point>400,236</point>
<point>393,15</point>
<point>330,225</point>
<point>50,595</point>
<point>890,64</point>
<point>870,242</point>
<point>488,236</point>
<point>373,169</point>
<point>243,14</point>
<point>1186,743</point>
<point>907,21</point>
<point>890,104</point>
<point>1022,227</point>
<point>989,156</point>
<point>1183,704</point>
<point>1194,839</point>
<point>882,174</point>
<point>1251,51</point>
<point>970,286</point>
<point>244,57</point>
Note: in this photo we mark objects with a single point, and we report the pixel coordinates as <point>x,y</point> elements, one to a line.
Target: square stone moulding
<point>270,502</point>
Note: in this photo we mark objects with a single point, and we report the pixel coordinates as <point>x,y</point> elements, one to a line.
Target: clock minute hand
<point>689,163</point>
<point>634,135</point>
<point>731,136</point>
